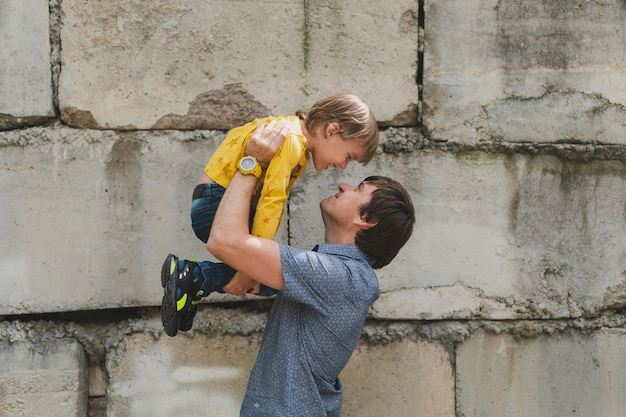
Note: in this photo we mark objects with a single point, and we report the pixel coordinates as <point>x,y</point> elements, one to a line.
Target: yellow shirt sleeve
<point>222,165</point>
<point>286,166</point>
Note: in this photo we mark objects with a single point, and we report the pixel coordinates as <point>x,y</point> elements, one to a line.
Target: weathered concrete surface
<point>25,73</point>
<point>418,381</point>
<point>43,379</point>
<point>555,375</point>
<point>91,215</point>
<point>197,376</point>
<point>368,48</point>
<point>168,66</point>
<point>526,72</point>
<point>400,368</point>
<point>514,227</point>
<point>207,376</point>
<point>497,236</point>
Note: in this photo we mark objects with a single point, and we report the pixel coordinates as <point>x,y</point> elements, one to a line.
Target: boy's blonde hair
<point>356,120</point>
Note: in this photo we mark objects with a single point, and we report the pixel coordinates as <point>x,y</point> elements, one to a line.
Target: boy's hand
<point>266,140</point>
<point>242,284</point>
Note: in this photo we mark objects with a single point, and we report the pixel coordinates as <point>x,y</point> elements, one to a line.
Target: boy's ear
<point>332,129</point>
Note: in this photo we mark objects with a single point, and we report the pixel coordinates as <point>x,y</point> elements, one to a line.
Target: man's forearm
<point>231,242</point>
<point>231,219</point>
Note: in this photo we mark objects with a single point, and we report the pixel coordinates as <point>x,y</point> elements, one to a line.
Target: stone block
<point>197,376</point>
<point>402,378</point>
<point>100,211</point>
<point>45,379</point>
<point>496,237</point>
<point>207,376</point>
<point>97,381</point>
<point>25,68</point>
<point>532,72</point>
<point>551,375</point>
<point>368,48</point>
<point>216,64</point>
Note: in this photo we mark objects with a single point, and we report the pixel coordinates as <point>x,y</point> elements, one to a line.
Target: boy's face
<point>331,151</point>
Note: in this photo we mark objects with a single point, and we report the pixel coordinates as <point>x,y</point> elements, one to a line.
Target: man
<point>318,316</point>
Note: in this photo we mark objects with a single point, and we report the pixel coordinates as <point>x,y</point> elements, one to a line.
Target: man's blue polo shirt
<point>313,328</point>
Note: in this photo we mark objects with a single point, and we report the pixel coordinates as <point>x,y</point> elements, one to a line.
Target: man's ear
<point>361,223</point>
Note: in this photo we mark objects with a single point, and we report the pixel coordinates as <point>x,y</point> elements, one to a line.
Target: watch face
<point>247,164</point>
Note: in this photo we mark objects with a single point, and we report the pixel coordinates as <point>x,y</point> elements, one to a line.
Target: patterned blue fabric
<point>313,328</point>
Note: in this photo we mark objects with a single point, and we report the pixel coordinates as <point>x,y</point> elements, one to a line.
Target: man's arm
<point>230,241</point>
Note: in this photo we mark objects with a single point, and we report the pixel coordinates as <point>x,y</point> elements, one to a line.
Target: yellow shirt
<point>285,167</point>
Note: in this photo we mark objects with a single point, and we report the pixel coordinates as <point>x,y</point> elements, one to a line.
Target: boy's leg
<point>205,200</point>
<point>180,281</point>
<point>184,283</point>
<point>216,275</point>
<point>180,300</point>
<point>266,291</point>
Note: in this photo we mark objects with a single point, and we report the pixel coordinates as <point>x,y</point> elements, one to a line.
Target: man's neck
<point>339,238</point>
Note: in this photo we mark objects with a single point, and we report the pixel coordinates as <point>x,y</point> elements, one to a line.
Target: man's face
<point>343,207</point>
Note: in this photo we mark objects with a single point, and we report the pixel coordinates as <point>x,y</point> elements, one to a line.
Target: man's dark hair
<point>392,210</point>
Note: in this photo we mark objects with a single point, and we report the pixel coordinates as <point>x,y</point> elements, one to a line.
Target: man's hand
<point>241,284</point>
<point>266,140</point>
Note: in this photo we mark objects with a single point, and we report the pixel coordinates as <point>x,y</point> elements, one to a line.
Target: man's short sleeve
<point>325,280</point>
<point>310,277</point>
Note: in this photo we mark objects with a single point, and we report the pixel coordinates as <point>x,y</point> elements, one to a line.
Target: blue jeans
<point>206,198</point>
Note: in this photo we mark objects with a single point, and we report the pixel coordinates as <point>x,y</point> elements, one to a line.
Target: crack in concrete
<point>409,139</point>
<point>99,336</point>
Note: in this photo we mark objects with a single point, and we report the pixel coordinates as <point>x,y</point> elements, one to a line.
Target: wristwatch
<point>249,165</point>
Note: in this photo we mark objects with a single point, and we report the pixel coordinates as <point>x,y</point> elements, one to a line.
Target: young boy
<point>335,131</point>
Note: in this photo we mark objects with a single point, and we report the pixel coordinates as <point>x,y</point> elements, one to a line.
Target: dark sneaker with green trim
<point>186,321</point>
<point>180,297</point>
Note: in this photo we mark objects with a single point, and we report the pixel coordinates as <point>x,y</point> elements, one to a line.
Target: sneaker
<point>186,321</point>
<point>180,294</point>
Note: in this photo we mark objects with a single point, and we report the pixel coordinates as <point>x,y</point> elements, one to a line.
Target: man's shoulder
<point>326,256</point>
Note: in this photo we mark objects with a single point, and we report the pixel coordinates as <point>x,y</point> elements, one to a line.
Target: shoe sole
<point>168,304</point>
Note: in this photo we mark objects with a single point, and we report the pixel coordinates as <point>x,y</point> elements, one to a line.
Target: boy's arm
<point>270,206</point>
<point>275,191</point>
<point>230,241</point>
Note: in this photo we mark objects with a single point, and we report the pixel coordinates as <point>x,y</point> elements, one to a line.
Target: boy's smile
<point>334,152</point>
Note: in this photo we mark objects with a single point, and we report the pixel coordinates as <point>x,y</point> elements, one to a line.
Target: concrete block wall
<point>490,67</point>
<point>43,378</point>
<point>505,121</point>
<point>26,81</point>
<point>529,377</point>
